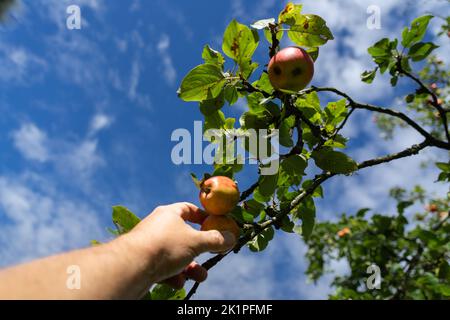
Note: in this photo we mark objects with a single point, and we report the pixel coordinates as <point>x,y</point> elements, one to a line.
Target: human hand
<point>168,245</point>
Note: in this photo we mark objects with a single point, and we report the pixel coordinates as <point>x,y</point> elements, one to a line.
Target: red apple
<point>291,69</point>
<point>219,195</point>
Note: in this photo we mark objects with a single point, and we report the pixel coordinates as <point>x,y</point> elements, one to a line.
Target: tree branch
<point>275,42</point>
<point>434,99</point>
<point>434,141</point>
<point>247,193</point>
<point>413,150</point>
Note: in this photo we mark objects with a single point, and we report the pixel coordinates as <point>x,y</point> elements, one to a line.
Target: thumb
<point>214,241</point>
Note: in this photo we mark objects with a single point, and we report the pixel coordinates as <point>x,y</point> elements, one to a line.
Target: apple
<point>343,232</point>
<point>221,223</point>
<point>219,195</point>
<point>291,69</point>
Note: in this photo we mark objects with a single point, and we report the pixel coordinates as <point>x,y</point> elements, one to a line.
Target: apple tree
<point>313,151</point>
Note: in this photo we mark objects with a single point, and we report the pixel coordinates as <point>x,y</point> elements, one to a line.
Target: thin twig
<point>434,99</point>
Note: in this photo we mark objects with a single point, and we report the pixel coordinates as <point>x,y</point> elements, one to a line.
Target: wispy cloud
<point>169,72</point>
<point>41,219</point>
<point>19,65</point>
<point>31,142</point>
<point>99,122</point>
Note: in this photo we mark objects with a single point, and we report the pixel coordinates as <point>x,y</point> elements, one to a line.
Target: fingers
<point>193,271</point>
<point>190,212</point>
<point>176,282</point>
<point>213,241</point>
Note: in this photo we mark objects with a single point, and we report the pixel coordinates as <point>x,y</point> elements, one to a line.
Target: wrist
<point>137,259</point>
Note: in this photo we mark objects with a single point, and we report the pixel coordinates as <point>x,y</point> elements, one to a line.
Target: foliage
<point>412,253</point>
<point>309,130</point>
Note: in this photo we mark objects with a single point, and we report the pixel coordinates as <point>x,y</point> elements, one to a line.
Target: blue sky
<point>87,115</point>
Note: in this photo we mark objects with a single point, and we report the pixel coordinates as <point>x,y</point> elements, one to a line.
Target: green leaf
<point>306,211</point>
<point>253,207</point>
<point>241,215</point>
<point>421,50</point>
<point>295,165</point>
<point>211,106</point>
<point>259,197</point>
<point>196,181</point>
<point>313,53</point>
<point>336,111</point>
<point>215,120</point>
<point>443,176</point>
<point>443,166</point>
<point>310,31</point>
<point>124,219</point>
<point>263,23</point>
<point>212,56</point>
<point>203,82</point>
<point>287,225</point>
<point>416,32</point>
<point>231,94</point>
<point>247,68</point>
<point>402,205</point>
<point>250,120</point>
<point>382,53</point>
<point>285,132</point>
<point>318,192</point>
<point>337,142</point>
<point>444,271</point>
<point>164,292</point>
<point>260,242</point>
<point>290,14</point>
<point>309,105</point>
<point>362,212</point>
<point>239,42</point>
<point>334,161</point>
<point>410,98</point>
<point>229,123</point>
<point>394,81</point>
<point>369,76</point>
<point>264,83</point>
<point>380,48</point>
<point>267,185</point>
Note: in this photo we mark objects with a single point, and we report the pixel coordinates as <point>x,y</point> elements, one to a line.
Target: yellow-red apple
<point>219,195</point>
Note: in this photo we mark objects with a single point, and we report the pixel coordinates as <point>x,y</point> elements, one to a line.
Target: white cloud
<point>41,220</point>
<point>134,80</point>
<point>241,276</point>
<point>77,159</point>
<point>122,45</point>
<point>80,161</point>
<point>99,122</point>
<point>263,10</point>
<point>169,72</point>
<point>19,65</point>
<point>31,142</point>
<point>134,95</point>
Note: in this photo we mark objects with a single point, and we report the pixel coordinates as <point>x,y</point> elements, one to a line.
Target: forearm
<point>115,270</point>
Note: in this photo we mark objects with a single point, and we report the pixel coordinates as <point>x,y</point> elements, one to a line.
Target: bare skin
<point>161,248</point>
